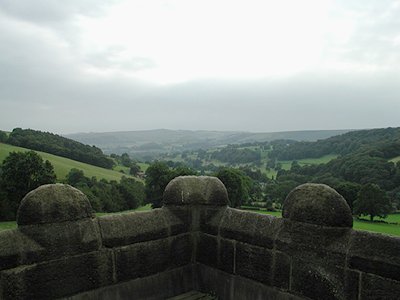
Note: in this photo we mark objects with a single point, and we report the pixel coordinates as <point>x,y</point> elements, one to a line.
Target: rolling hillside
<point>163,140</point>
<point>63,165</point>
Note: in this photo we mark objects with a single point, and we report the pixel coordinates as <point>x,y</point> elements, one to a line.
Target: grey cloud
<point>43,87</point>
<point>378,24</point>
<point>295,104</point>
<point>50,11</point>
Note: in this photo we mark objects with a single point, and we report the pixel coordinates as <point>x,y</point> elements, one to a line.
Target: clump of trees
<point>370,185</point>
<point>58,145</point>
<point>238,185</point>
<point>108,196</point>
<point>3,137</point>
<point>158,175</point>
<point>125,160</point>
<point>372,201</point>
<point>234,155</point>
<point>21,172</point>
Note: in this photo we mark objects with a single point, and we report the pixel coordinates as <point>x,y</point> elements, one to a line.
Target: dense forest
<point>58,145</point>
<point>384,142</point>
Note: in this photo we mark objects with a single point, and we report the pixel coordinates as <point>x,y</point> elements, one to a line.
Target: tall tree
<point>132,192</point>
<point>158,175</point>
<point>3,137</point>
<point>372,201</point>
<point>21,173</point>
<point>237,184</point>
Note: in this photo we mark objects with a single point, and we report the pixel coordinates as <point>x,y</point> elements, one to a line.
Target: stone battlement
<point>194,242</point>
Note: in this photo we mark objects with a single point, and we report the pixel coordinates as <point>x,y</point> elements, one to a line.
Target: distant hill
<point>382,142</point>
<point>164,140</point>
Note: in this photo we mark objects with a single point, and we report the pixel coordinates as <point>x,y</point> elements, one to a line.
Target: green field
<point>392,218</point>
<point>13,224</point>
<point>143,166</point>
<point>395,160</point>
<point>361,225</point>
<point>121,169</point>
<point>63,165</point>
<point>286,164</point>
<point>7,225</point>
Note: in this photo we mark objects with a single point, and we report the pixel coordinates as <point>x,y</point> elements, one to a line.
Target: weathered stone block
<point>181,250</point>
<point>238,225</point>
<point>62,239</point>
<point>317,204</point>
<point>325,245</point>
<point>375,267</point>
<point>253,262</point>
<point>207,250</point>
<point>128,228</point>
<point>210,219</point>
<point>186,190</point>
<point>228,286</point>
<point>53,203</point>
<point>321,282</point>
<point>155,287</point>
<point>281,270</point>
<point>377,288</point>
<point>227,256</point>
<point>14,247</point>
<point>375,253</point>
<point>266,229</point>
<point>58,278</point>
<point>142,259</point>
<point>178,218</point>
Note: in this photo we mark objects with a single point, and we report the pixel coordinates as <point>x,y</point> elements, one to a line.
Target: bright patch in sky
<point>173,41</point>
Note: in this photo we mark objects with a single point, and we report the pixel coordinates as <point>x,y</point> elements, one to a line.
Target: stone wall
<point>60,250</point>
<point>311,252</point>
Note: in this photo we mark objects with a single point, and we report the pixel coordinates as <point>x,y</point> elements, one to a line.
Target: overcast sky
<point>108,65</point>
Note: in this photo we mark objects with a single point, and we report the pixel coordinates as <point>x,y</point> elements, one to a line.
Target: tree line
<point>384,142</point>
<point>58,145</point>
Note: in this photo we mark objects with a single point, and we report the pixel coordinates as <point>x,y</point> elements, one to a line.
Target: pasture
<point>286,164</point>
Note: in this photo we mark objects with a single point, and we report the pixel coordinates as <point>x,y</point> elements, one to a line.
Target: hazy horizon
<point>251,66</point>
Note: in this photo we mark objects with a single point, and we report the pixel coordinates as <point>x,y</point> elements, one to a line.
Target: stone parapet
<point>195,241</point>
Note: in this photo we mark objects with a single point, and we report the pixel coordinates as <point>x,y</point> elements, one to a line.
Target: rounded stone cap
<point>317,204</point>
<point>184,190</point>
<point>53,203</point>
